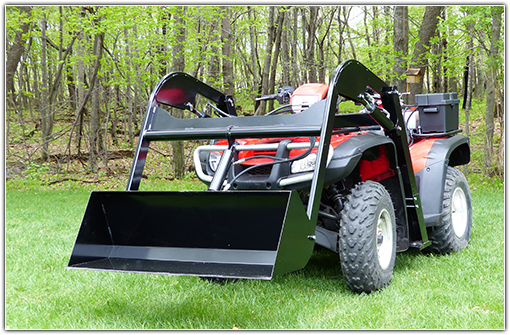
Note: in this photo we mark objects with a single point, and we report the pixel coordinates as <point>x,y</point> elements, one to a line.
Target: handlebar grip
<point>267,97</point>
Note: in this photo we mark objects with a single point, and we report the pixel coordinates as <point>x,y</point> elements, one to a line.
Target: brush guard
<point>213,233</point>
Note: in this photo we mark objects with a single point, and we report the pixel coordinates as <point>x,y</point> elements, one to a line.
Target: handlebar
<point>283,95</point>
<point>267,97</point>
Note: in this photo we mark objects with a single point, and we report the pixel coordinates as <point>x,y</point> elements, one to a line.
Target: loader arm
<point>394,127</point>
<point>350,80</point>
<point>178,88</point>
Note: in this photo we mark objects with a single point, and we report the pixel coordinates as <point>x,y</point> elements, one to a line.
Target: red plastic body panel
<point>336,140</point>
<point>319,90</point>
<point>378,169</point>
<point>420,152</point>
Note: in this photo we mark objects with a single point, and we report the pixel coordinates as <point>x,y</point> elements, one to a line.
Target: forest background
<point>78,78</point>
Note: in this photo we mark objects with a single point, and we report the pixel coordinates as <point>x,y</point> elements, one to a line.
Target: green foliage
<point>148,46</point>
<point>137,51</point>
<point>35,171</point>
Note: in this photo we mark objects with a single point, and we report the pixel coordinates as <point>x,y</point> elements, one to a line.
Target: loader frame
<point>350,80</point>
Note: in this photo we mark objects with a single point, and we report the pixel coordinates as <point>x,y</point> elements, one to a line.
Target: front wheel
<point>367,241</point>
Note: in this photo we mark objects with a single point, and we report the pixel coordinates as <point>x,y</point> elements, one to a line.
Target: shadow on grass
<point>194,303</point>
<point>191,303</point>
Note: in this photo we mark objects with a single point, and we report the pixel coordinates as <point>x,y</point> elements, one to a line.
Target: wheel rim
<point>459,212</point>
<point>384,239</point>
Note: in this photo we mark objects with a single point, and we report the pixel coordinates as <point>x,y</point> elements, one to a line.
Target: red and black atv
<point>365,185</point>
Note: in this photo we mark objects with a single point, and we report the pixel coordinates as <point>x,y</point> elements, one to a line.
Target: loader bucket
<point>255,234</point>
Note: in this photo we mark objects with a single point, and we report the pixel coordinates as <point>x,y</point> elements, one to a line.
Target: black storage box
<point>439,112</point>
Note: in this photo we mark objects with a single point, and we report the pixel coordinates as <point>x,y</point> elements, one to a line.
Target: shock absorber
<point>336,197</point>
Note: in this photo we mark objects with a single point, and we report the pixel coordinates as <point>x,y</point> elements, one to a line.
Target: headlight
<point>214,159</point>
<point>301,102</point>
<point>305,164</point>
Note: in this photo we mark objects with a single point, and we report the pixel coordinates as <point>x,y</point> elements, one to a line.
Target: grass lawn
<point>458,291</point>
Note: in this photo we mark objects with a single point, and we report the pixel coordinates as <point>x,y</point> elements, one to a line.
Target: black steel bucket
<point>252,234</point>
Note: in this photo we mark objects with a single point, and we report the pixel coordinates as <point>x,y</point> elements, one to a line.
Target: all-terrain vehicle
<point>366,185</point>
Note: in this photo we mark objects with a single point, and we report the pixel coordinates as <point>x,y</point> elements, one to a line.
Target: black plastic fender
<point>347,155</point>
<point>451,151</point>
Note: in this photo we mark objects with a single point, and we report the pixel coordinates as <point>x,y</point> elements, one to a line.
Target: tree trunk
<point>295,68</point>
<point>444,43</point>
<point>491,93</point>
<point>469,85</point>
<point>501,147</point>
<point>214,64</point>
<point>253,54</point>
<point>310,64</point>
<point>267,61</point>
<point>286,81</point>
<point>400,45</point>
<point>346,14</point>
<point>80,88</point>
<point>46,110</point>
<point>341,28</point>
<point>14,53</point>
<point>71,87</point>
<point>179,65</point>
<point>427,31</point>
<point>437,50</point>
<point>469,73</point>
<point>128,93</point>
<point>322,61</point>
<point>95,124</point>
<point>479,80</point>
<point>436,69</point>
<point>277,44</point>
<point>367,35</point>
<point>94,127</point>
<point>226,39</point>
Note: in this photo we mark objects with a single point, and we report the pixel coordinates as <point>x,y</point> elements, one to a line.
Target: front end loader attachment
<point>218,232</point>
<point>213,233</point>
<point>210,234</point>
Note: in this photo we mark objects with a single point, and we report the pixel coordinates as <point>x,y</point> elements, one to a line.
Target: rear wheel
<point>454,232</point>
<point>367,242</point>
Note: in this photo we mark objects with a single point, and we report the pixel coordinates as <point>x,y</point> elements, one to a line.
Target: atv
<point>365,185</point>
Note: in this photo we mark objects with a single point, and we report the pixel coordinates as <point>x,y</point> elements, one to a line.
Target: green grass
<point>459,291</point>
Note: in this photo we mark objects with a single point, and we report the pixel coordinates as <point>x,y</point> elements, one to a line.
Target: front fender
<point>430,161</point>
<point>347,155</point>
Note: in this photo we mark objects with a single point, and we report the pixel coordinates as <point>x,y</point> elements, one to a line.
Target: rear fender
<point>430,171</point>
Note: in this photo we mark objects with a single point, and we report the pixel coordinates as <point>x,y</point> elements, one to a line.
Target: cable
<point>242,160</point>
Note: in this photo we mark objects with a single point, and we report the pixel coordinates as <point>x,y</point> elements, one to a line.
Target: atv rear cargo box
<point>439,112</point>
